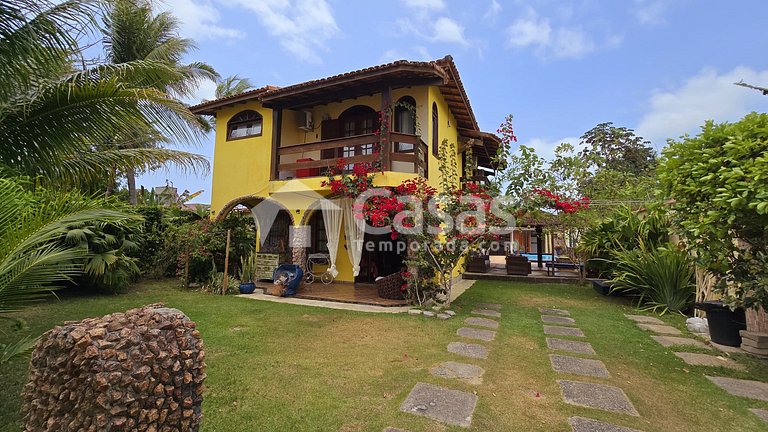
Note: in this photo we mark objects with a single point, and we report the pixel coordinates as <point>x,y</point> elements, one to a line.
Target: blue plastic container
<point>294,275</point>
<point>247,288</point>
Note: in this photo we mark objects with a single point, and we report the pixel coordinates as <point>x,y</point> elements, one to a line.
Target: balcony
<point>403,152</point>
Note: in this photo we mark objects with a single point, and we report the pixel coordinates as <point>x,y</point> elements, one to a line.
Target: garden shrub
<point>718,182</point>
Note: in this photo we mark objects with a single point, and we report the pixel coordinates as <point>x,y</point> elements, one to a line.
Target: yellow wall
<point>446,130</point>
<point>242,167</point>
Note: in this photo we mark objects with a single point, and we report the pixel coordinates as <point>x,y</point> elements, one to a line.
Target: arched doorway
<point>273,222</point>
<point>356,120</point>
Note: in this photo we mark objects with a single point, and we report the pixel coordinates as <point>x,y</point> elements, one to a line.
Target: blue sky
<point>661,67</point>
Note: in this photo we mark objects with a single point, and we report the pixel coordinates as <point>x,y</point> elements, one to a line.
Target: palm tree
<point>34,257</point>
<point>53,116</point>
<point>132,32</point>
<point>232,85</point>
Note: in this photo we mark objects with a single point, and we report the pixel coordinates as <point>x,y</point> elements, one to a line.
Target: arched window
<point>244,124</point>
<point>435,142</point>
<point>405,121</point>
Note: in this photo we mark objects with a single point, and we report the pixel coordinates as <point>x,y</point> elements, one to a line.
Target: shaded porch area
<point>359,293</point>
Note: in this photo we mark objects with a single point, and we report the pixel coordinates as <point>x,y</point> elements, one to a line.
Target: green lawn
<point>276,367</point>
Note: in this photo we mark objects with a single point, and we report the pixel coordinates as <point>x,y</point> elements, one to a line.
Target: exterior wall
<point>240,167</point>
<point>446,130</point>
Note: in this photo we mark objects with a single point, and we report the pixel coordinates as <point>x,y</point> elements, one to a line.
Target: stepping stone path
<point>468,350</point>
<point>563,331</point>
<point>661,329</point>
<point>590,395</point>
<point>645,319</point>
<point>744,388</point>
<point>469,373</point>
<point>763,414</point>
<point>557,319</point>
<point>668,341</point>
<point>454,407</point>
<point>487,312</point>
<point>695,359</point>
<point>554,311</point>
<point>482,322</point>
<point>391,429</point>
<point>600,396</point>
<point>581,424</point>
<point>479,334</point>
<point>445,405</point>
<point>578,366</point>
<point>570,346</point>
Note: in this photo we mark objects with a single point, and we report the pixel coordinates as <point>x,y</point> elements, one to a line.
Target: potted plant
<point>247,268</point>
<point>478,261</point>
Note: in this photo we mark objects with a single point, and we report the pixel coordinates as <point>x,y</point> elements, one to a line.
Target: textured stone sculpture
<point>141,370</point>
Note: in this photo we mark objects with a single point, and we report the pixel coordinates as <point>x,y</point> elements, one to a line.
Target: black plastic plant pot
<point>724,323</point>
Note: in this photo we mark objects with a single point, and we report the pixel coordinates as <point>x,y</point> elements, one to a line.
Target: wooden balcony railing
<point>360,144</point>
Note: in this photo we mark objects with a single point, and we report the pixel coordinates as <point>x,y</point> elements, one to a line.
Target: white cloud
<point>425,4</point>
<point>199,18</point>
<point>448,31</point>
<point>651,12</point>
<point>551,41</point>
<point>205,91</point>
<point>571,43</point>
<point>705,96</point>
<point>545,148</point>
<point>529,31</point>
<point>493,11</point>
<point>302,26</point>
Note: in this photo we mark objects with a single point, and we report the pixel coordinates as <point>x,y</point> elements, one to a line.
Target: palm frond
<point>19,348</point>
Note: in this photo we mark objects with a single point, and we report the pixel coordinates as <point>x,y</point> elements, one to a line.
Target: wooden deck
<point>498,271</point>
<point>363,294</point>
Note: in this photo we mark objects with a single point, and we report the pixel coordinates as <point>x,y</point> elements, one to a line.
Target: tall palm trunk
<point>131,180</point>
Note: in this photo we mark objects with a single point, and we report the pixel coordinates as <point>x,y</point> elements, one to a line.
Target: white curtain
<point>355,230</point>
<point>332,220</point>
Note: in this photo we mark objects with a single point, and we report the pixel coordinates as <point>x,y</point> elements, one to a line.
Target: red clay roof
<point>451,87</point>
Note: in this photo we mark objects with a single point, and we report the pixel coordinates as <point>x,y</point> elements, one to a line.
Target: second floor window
<point>435,142</point>
<point>244,124</point>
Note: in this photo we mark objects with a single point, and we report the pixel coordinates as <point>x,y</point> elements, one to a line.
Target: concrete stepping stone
<point>469,373</point>
<point>668,341</point>
<point>578,366</point>
<point>479,334</point>
<point>487,312</point>
<point>570,346</point>
<point>582,424</point>
<point>468,350</point>
<point>763,414</point>
<point>557,319</point>
<point>744,388</point>
<point>644,319</point>
<point>445,405</point>
<point>598,396</point>
<point>482,322</point>
<point>661,329</point>
<point>495,306</point>
<point>696,359</point>
<point>391,429</point>
<point>563,331</point>
<point>554,311</point>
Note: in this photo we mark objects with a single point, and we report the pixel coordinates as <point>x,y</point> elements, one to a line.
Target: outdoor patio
<point>363,294</point>
<point>538,275</point>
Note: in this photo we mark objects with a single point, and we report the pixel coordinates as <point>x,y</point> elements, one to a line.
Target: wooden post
<point>277,127</point>
<point>226,265</point>
<point>186,268</point>
<point>385,143</point>
<point>539,245</point>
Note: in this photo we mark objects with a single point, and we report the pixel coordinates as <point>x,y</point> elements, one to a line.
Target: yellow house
<point>273,146</point>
